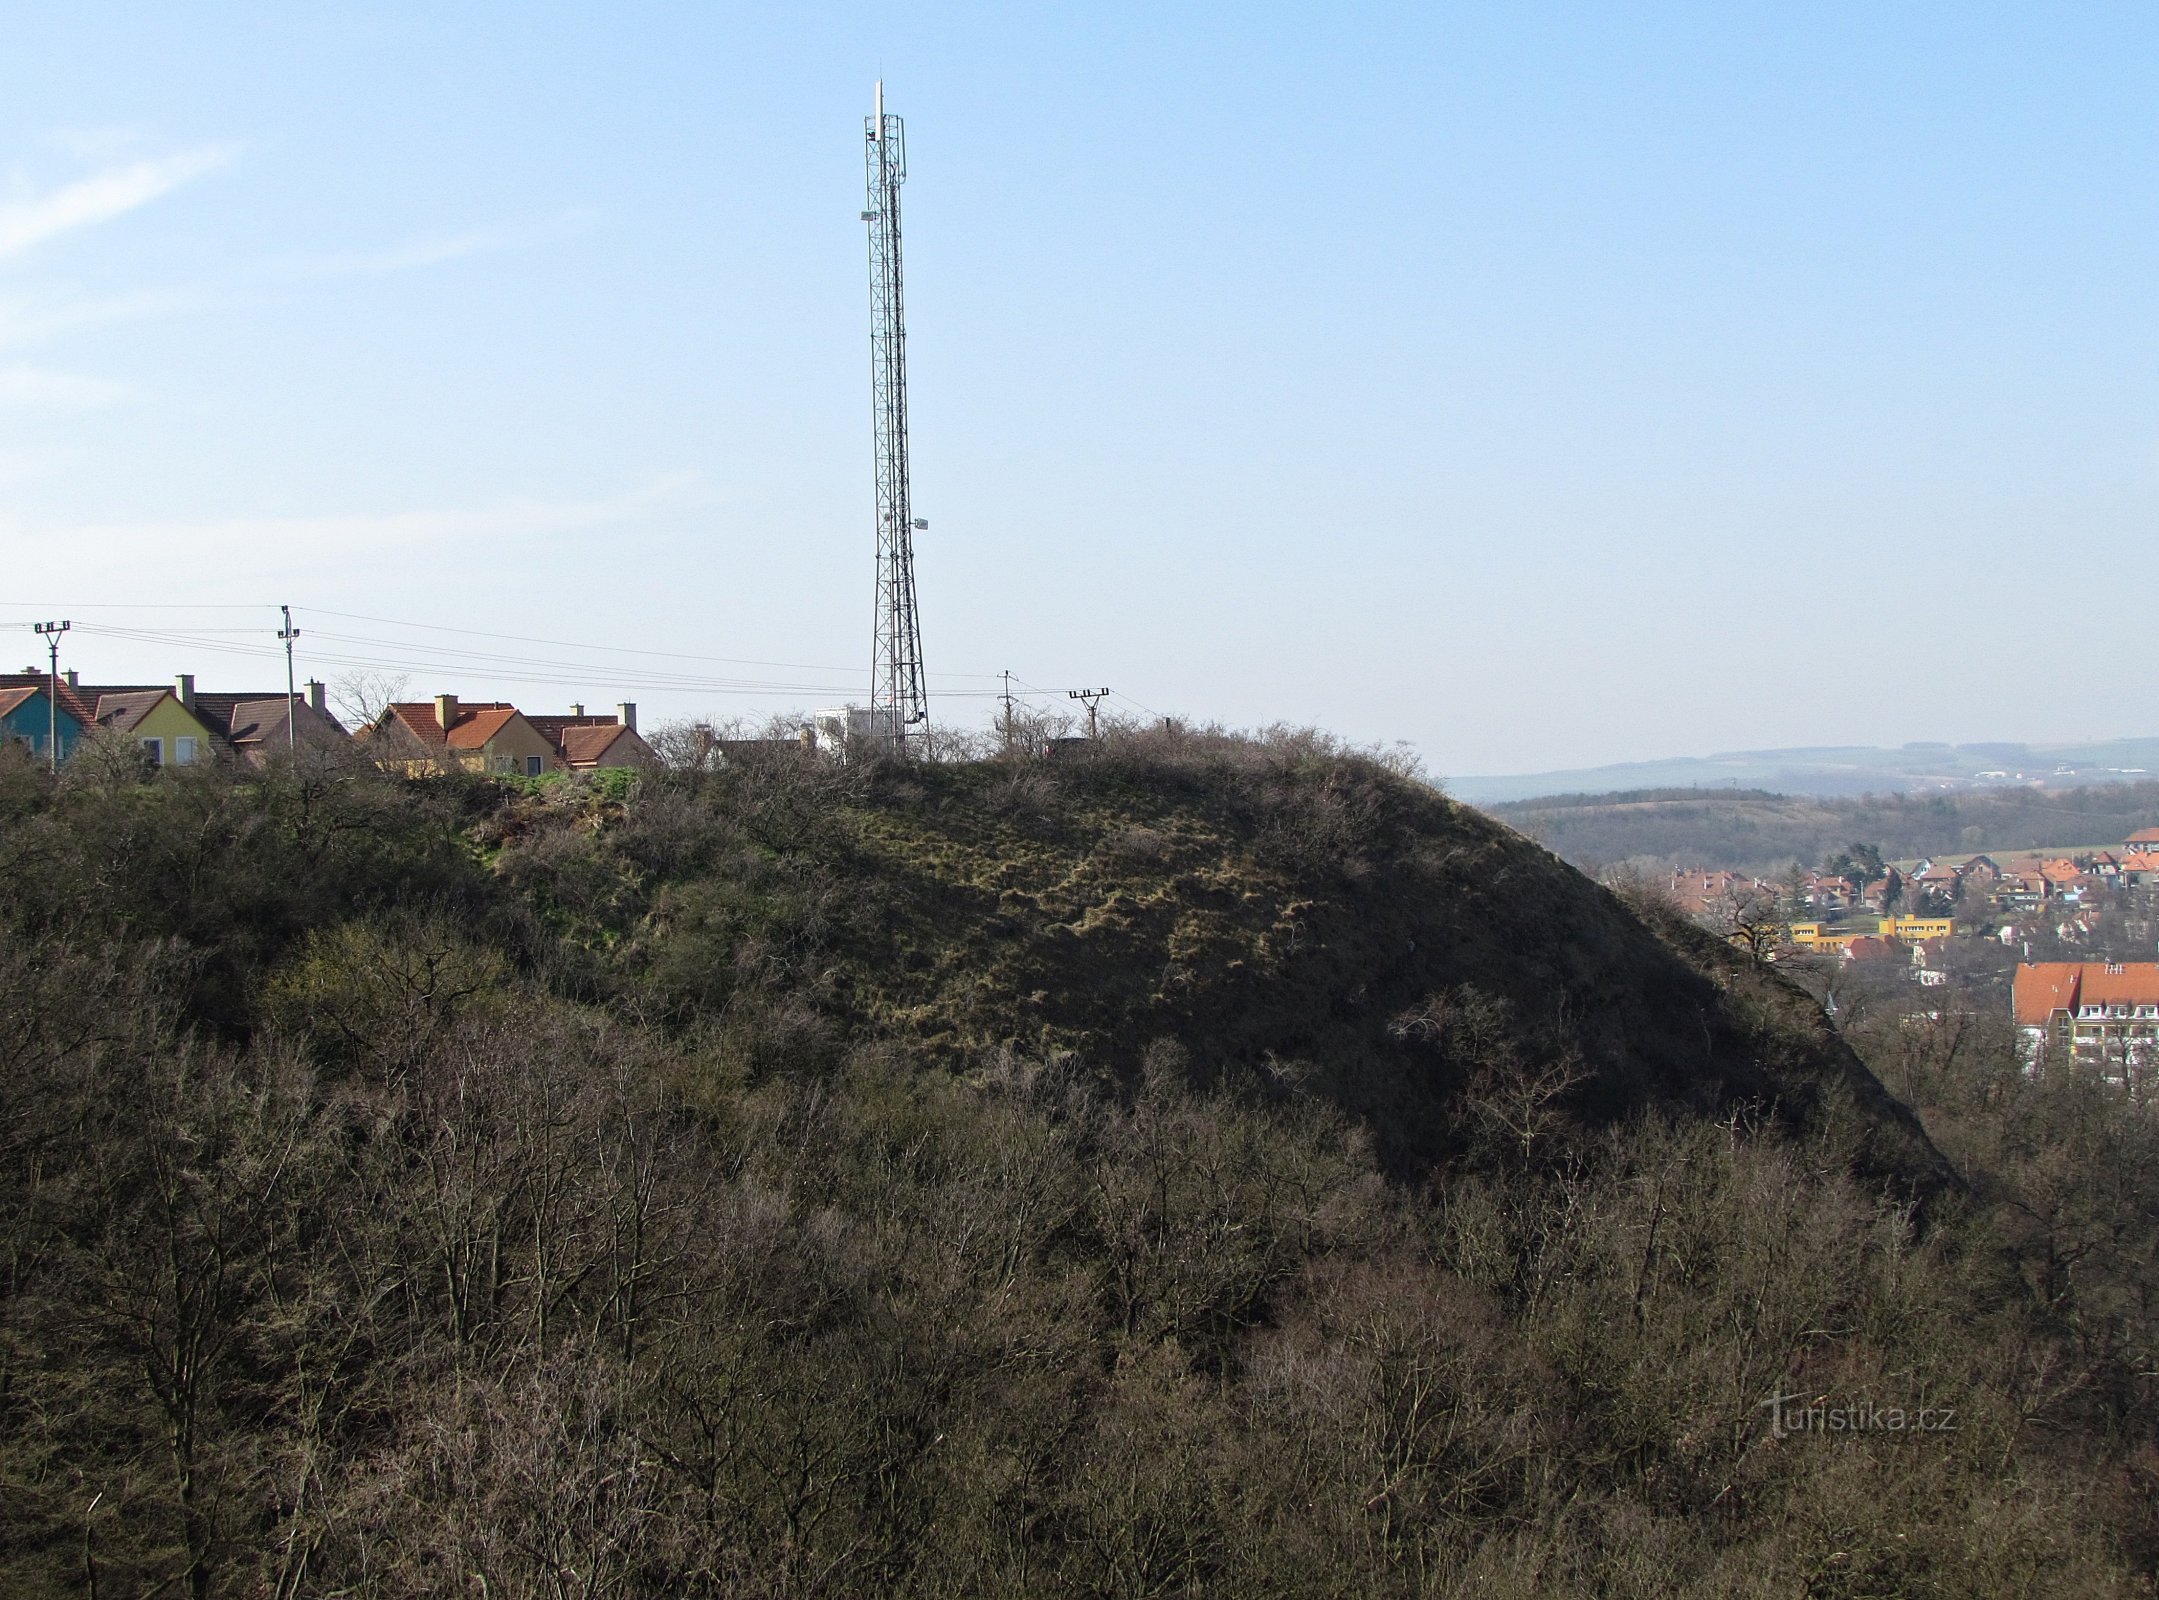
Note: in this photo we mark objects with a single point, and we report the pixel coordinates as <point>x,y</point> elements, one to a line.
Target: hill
<point>1246,906</point>
<point>1753,830</point>
<point>1197,1165</point>
<point>1842,770</point>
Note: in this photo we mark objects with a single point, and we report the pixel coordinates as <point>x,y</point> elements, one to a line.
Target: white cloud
<point>102,196</point>
<point>36,389</point>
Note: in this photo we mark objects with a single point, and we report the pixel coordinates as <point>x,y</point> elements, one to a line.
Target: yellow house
<point>170,734</point>
<point>494,738</point>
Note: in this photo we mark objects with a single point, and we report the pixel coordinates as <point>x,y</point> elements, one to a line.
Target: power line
<point>516,638</point>
<point>677,655</point>
<point>372,652</point>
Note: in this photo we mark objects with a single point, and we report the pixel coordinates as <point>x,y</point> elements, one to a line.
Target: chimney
<point>445,710</point>
<point>71,679</point>
<point>317,702</point>
<point>626,714</point>
<point>184,687</point>
<point>577,708</point>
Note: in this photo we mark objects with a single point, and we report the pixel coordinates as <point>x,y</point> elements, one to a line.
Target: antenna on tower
<point>898,701</point>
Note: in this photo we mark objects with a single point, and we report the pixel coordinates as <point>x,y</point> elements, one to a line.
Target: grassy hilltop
<point>1199,1165</point>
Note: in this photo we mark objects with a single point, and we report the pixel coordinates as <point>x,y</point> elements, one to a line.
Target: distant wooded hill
<point>1848,771</point>
<point>1754,829</point>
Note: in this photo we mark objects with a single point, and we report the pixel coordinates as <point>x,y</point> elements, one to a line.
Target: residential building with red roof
<point>2103,1014</point>
<point>450,735</point>
<point>495,737</point>
<point>586,743</point>
<point>2140,869</point>
<point>1873,947</point>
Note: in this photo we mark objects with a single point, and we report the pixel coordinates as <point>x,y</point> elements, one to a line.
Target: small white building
<point>841,730</point>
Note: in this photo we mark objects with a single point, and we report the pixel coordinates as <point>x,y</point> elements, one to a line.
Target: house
<point>2103,1014</point>
<point>159,720</point>
<point>1699,893</point>
<point>450,735</point>
<point>1930,962</point>
<point>31,719</point>
<point>2144,839</point>
<point>2140,869</point>
<point>1826,893</point>
<point>178,726</point>
<point>1872,947</point>
<point>251,727</point>
<point>1882,893</point>
<point>586,743</point>
<point>2020,891</point>
<point>1933,883</point>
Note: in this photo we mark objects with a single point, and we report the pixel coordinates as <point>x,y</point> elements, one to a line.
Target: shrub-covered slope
<point>1280,908</point>
<point>1206,1167</point>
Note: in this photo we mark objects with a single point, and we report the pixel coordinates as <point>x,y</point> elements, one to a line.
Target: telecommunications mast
<point>899,704</point>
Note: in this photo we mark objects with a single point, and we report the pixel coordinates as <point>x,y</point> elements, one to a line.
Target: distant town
<point>2063,941</point>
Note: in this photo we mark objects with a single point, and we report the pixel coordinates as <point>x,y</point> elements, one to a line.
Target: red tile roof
<point>2042,988</point>
<point>588,747</point>
<point>477,725</point>
<point>2045,987</point>
<point>473,726</point>
<point>2144,836</point>
<point>11,698</point>
<point>2127,983</point>
<point>1869,947</point>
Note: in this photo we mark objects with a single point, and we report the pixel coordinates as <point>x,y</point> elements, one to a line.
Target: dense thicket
<point>1751,830</point>
<point>977,1180</point>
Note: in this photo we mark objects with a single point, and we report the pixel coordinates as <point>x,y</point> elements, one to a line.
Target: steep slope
<point>1283,909</point>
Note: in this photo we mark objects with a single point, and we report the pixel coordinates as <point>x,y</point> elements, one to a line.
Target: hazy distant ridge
<point>1834,770</point>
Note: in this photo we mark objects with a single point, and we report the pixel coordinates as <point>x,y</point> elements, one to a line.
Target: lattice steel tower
<point>900,704</point>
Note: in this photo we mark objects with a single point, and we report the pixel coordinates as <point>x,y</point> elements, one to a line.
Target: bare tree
<point>1748,919</point>
<point>361,696</point>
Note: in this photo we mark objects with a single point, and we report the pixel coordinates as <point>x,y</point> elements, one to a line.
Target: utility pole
<point>1091,696</point>
<point>896,682</point>
<point>288,633</point>
<point>1007,697</point>
<point>52,632</point>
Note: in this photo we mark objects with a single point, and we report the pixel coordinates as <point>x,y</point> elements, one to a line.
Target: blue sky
<point>1542,385</point>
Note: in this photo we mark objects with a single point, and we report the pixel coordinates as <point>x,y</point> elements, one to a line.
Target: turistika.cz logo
<point>1799,1413</point>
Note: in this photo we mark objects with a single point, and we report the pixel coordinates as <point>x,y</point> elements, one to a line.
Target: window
<point>533,764</point>
<point>155,750</point>
<point>183,751</point>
